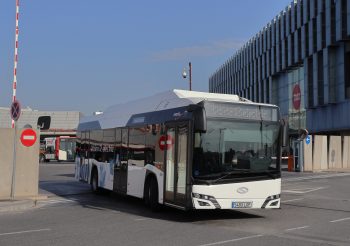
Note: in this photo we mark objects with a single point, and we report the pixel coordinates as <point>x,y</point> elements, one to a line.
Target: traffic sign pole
<point>13,185</point>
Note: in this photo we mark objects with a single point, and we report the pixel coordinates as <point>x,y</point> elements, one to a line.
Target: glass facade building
<point>300,61</point>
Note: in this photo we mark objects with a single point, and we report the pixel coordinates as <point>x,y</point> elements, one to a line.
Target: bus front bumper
<point>212,203</point>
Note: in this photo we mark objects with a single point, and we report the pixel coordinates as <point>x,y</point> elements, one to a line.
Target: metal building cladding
<point>300,61</point>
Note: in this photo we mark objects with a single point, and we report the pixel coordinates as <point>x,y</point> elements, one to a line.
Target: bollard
<point>290,163</point>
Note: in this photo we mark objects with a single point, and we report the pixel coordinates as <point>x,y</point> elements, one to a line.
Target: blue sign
<point>308,139</point>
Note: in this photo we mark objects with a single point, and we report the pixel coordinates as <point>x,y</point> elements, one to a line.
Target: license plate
<point>242,204</point>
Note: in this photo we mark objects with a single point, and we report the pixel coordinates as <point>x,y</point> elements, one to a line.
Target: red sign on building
<point>296,97</point>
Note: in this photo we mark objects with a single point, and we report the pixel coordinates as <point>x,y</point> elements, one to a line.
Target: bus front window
<point>236,147</point>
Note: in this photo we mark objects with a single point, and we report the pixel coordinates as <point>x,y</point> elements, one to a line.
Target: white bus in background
<point>185,149</point>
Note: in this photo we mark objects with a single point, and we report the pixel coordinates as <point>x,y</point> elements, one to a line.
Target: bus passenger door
<point>121,167</point>
<point>176,165</point>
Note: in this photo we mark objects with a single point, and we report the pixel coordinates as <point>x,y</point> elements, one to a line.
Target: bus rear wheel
<point>94,182</point>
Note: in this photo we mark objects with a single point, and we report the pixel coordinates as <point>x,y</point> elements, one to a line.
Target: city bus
<point>185,149</point>
<point>60,148</point>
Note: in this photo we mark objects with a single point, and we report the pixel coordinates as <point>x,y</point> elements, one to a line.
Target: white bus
<point>185,149</point>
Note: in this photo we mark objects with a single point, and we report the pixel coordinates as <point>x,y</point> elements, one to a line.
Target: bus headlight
<point>208,198</point>
<point>269,199</point>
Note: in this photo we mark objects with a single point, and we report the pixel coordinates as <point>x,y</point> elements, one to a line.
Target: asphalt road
<point>315,211</point>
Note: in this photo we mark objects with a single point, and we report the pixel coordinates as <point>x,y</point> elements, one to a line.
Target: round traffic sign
<point>165,142</point>
<point>308,139</point>
<point>296,97</point>
<point>28,137</point>
<point>15,110</point>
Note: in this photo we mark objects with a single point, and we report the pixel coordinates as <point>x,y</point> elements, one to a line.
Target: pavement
<point>60,188</point>
<point>20,203</point>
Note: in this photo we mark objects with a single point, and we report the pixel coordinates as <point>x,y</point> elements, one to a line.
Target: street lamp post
<point>184,74</point>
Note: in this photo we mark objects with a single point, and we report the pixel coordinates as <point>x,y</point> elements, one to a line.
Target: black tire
<point>153,195</point>
<point>146,193</point>
<point>94,181</point>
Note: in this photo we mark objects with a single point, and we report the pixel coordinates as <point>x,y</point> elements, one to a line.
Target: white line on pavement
<point>303,191</point>
<point>335,221</point>
<point>293,200</point>
<point>140,219</point>
<point>297,228</point>
<point>230,241</point>
<point>22,232</point>
<point>317,177</point>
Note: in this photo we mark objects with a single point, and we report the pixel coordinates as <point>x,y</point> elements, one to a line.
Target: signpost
<point>15,114</point>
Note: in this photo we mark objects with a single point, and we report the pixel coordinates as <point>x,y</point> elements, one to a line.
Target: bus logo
<point>242,190</point>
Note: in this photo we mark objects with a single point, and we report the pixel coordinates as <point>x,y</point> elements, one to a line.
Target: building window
<point>320,78</point>
<point>310,82</point>
<point>347,75</point>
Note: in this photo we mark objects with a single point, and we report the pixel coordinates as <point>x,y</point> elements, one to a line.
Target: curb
<point>13,206</point>
<point>21,204</point>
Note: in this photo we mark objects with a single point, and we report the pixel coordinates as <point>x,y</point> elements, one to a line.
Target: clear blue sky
<point>87,55</point>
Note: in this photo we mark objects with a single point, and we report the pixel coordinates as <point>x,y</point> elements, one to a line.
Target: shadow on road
<point>58,181</point>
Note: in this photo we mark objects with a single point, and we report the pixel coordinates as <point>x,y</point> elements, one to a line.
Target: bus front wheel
<point>153,195</point>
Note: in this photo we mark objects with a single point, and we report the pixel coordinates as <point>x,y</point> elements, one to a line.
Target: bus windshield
<point>235,147</point>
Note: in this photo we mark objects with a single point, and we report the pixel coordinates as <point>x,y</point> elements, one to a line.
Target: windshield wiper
<point>229,174</point>
<point>269,174</point>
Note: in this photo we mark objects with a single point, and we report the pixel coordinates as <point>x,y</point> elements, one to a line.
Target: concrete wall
<point>320,157</point>
<point>27,165</point>
<point>334,153</point>
<point>346,153</point>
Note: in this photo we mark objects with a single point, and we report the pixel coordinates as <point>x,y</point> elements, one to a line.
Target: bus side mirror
<point>44,122</point>
<point>199,117</point>
<point>284,133</point>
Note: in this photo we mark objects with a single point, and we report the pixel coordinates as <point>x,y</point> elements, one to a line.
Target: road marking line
<point>297,228</point>
<point>293,200</point>
<point>335,221</point>
<point>22,232</point>
<point>230,241</point>
<point>303,191</point>
<point>140,219</point>
<point>57,201</point>
<point>317,177</point>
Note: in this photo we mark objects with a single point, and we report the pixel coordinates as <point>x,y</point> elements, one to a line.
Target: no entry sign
<point>165,142</point>
<point>28,137</point>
